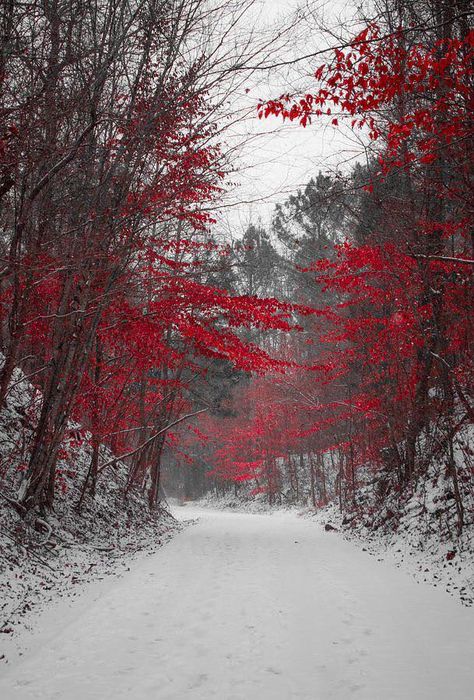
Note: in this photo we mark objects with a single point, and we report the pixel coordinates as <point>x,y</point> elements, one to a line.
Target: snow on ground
<point>416,545</point>
<point>33,579</point>
<point>416,550</point>
<point>243,503</point>
<point>101,540</point>
<point>252,607</point>
<point>85,543</point>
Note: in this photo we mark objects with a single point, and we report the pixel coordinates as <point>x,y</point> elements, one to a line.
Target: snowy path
<point>249,607</point>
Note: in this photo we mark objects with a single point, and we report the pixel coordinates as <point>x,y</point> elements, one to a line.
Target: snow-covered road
<point>252,607</point>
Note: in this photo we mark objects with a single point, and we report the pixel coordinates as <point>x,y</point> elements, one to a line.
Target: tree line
<point>297,361</point>
<point>378,384</point>
<point>112,292</point>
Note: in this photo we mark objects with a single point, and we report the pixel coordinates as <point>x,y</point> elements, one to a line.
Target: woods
<point>303,360</point>
<point>109,163</point>
<point>236,279</point>
<point>379,383</point>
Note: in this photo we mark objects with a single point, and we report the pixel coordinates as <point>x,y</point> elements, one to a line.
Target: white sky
<point>279,157</point>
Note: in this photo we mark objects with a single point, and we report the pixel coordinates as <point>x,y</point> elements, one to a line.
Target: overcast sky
<point>279,158</point>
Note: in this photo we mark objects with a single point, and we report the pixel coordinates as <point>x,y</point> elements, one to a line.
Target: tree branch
<point>150,439</point>
<point>445,258</point>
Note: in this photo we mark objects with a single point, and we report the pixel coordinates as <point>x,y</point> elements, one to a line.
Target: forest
<point>320,356</point>
<point>335,344</point>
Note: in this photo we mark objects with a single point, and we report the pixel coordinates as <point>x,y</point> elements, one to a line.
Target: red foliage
<point>393,352</point>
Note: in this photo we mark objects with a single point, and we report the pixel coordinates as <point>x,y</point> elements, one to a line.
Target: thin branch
<point>353,43</point>
<point>445,258</point>
<point>62,163</point>
<point>119,458</point>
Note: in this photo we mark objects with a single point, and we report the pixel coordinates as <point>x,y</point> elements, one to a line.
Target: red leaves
<point>372,74</point>
<point>318,74</point>
<point>393,302</point>
<point>428,158</point>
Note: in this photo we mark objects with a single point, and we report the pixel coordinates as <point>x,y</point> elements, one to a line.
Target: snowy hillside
<point>43,558</point>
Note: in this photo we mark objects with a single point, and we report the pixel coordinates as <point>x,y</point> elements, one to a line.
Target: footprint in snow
<point>202,678</point>
<point>275,671</point>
